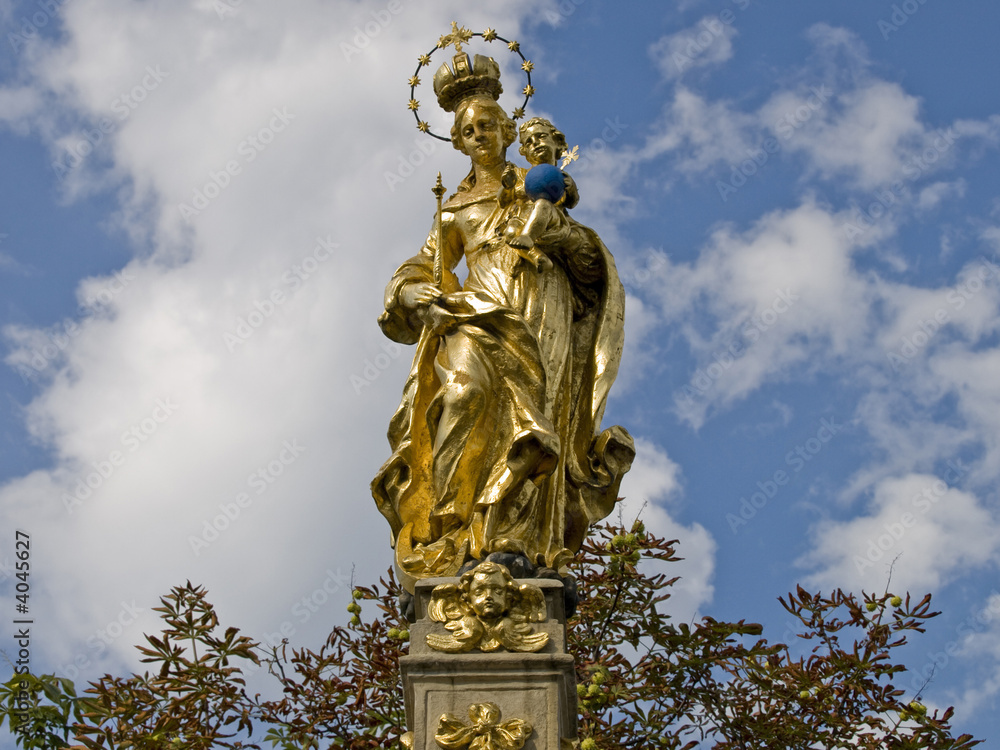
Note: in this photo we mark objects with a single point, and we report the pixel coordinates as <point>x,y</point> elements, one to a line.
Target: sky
<point>202,200</point>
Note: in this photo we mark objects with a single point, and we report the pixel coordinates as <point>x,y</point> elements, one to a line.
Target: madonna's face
<point>481,135</point>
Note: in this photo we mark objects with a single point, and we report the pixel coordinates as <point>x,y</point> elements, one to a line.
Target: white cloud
<point>599,174</point>
<point>971,377</point>
<point>701,134</point>
<point>845,122</point>
<point>654,476</point>
<point>932,195</point>
<point>987,130</point>
<point>866,139</point>
<point>869,134</point>
<point>931,531</point>
<point>650,487</point>
<point>916,319</point>
<point>287,95</point>
<point>933,347</point>
<point>705,44</point>
<point>978,646</point>
<point>781,295</point>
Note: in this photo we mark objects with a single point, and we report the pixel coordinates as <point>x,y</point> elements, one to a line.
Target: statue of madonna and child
<point>497,444</point>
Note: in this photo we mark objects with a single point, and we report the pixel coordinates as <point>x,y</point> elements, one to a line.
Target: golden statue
<point>497,444</point>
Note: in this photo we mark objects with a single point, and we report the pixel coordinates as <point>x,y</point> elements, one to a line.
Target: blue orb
<point>544,181</point>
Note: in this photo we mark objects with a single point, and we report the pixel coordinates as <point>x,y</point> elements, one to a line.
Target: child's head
<point>541,141</point>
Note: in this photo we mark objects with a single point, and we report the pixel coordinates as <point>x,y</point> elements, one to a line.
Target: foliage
<point>39,709</point>
<point>643,682</point>
<point>350,692</point>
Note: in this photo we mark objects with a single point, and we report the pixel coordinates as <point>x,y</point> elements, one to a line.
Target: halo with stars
<point>458,37</point>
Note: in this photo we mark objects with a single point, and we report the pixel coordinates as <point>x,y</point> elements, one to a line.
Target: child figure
<point>549,189</point>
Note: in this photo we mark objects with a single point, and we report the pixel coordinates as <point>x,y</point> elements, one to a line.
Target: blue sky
<point>802,200</point>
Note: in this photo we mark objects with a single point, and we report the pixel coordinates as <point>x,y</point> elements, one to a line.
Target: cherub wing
<point>529,604</point>
<point>446,643</point>
<point>519,637</point>
<point>465,634</point>
<point>446,603</point>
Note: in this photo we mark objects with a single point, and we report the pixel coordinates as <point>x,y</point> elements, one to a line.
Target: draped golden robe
<point>497,436</point>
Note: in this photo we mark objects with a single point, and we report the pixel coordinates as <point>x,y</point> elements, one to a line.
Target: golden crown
<point>481,75</point>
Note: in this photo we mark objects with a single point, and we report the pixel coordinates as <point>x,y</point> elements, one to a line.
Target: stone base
<point>539,688</point>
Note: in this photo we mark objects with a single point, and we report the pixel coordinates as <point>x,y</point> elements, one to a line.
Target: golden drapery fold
<point>497,438</point>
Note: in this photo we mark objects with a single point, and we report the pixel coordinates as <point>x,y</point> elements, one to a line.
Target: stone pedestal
<point>539,688</point>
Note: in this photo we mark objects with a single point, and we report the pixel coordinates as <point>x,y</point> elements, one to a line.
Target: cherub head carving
<point>487,609</point>
<point>489,589</point>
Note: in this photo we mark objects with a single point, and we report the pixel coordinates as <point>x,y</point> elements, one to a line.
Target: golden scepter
<point>438,191</point>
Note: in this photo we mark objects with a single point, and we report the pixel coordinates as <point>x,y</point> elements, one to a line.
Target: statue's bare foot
<point>540,259</point>
<point>521,241</point>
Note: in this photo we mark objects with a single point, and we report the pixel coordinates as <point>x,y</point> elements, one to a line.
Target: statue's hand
<point>509,177</point>
<point>572,194</point>
<point>419,294</point>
